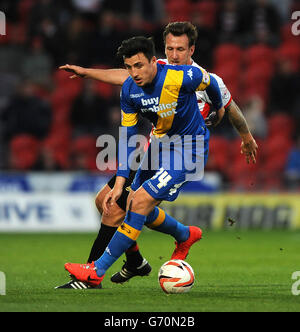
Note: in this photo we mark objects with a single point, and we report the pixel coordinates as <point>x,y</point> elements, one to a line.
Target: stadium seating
<point>256,78</point>
<point>246,182</point>
<point>208,9</point>
<point>23,152</point>
<point>227,65</point>
<point>66,89</point>
<point>105,90</point>
<point>245,71</point>
<point>60,99</point>
<point>227,53</point>
<point>281,124</point>
<point>291,51</point>
<point>286,35</point>
<point>60,116</point>
<point>58,144</point>
<point>272,173</point>
<point>258,53</point>
<point>276,162</point>
<point>241,175</point>
<point>218,152</point>
<point>277,145</point>
<point>274,153</point>
<point>60,77</point>
<point>259,72</point>
<point>83,153</point>
<point>178,10</point>
<point>230,75</point>
<point>24,8</point>
<point>251,89</point>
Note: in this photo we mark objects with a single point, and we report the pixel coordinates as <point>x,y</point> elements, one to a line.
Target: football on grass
<point>176,276</point>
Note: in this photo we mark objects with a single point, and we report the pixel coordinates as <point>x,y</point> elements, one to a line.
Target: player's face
<point>177,49</point>
<point>141,69</point>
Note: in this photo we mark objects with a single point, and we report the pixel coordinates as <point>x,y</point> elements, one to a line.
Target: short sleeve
<point>225,93</point>
<point>195,79</point>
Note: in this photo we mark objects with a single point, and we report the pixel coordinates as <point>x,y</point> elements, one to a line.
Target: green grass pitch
<point>235,271</point>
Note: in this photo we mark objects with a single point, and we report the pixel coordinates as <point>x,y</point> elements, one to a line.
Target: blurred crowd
<point>49,122</point>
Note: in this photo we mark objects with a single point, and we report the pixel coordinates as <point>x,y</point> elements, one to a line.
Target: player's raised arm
<point>112,76</point>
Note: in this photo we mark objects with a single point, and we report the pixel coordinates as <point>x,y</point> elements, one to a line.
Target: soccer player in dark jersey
<point>180,39</point>
<point>164,94</point>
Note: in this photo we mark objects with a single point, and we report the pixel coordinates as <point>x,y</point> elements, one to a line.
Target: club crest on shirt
<point>174,89</point>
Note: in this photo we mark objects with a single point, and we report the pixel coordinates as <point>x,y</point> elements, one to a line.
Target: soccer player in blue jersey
<point>180,39</point>
<point>166,96</point>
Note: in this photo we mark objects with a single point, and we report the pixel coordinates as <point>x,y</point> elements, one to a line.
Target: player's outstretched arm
<point>112,76</point>
<point>248,146</point>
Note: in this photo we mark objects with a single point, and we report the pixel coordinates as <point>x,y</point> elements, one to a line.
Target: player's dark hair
<point>182,28</point>
<point>135,45</point>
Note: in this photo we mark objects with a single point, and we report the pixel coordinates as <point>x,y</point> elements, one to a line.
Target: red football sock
<point>133,248</point>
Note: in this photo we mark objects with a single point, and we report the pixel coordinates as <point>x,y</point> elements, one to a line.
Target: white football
<point>176,276</point>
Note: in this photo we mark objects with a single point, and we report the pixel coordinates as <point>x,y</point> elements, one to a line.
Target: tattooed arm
<point>237,119</point>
